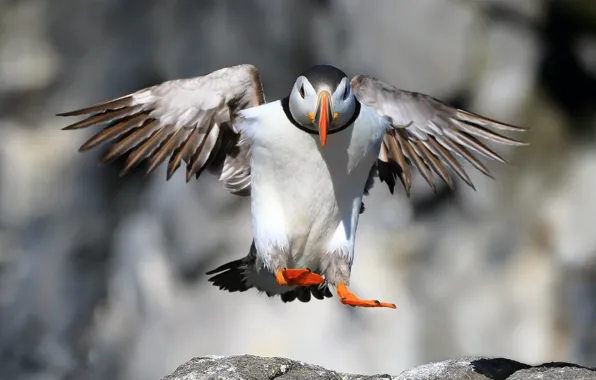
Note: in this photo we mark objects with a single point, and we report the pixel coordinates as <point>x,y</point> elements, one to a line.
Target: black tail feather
<point>230,276</point>
<point>230,265</point>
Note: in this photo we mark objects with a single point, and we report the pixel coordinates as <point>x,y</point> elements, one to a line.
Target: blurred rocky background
<point>101,277</point>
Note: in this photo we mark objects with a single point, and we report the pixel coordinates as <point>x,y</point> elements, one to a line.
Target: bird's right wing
<point>190,120</point>
<point>427,133</point>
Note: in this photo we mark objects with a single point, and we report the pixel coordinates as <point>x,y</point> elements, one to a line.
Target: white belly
<point>305,200</point>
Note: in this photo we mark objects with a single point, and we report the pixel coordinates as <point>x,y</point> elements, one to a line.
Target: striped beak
<point>323,116</point>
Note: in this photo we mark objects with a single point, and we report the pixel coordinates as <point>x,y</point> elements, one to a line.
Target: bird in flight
<point>305,161</point>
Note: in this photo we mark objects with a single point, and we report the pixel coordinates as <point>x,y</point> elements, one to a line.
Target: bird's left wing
<point>427,133</point>
<point>190,120</point>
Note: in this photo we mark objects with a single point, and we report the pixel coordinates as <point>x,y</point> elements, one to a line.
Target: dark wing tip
<point>168,175</point>
<point>112,104</point>
<point>77,112</point>
<point>83,148</point>
<point>475,118</point>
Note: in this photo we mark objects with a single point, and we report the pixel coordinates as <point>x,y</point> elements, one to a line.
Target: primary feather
<point>190,120</point>
<point>428,133</point>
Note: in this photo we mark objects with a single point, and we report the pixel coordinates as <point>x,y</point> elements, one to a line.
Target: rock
<point>255,367</point>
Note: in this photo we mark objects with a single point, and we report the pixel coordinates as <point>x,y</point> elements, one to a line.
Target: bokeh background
<point>102,277</point>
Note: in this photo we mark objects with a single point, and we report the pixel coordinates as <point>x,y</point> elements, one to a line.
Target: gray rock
<point>254,367</point>
<point>251,367</point>
<point>553,373</point>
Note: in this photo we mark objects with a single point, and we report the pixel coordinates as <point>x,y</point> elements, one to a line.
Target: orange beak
<point>323,116</point>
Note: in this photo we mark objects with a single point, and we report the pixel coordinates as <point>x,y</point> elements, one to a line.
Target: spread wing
<point>428,134</point>
<point>190,120</point>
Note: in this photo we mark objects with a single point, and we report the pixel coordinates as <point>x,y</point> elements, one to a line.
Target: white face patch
<point>303,101</point>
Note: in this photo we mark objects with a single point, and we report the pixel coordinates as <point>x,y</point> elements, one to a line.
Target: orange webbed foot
<point>298,277</point>
<point>348,298</point>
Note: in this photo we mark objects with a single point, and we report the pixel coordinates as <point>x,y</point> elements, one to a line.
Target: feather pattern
<point>428,134</point>
<point>190,120</point>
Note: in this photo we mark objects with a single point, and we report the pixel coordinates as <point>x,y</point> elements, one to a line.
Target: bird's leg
<point>298,277</point>
<point>348,298</point>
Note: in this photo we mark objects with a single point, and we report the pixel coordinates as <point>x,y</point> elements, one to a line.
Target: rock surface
<point>473,368</point>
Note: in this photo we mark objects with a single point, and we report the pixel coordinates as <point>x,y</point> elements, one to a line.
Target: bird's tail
<point>241,275</point>
<point>231,276</point>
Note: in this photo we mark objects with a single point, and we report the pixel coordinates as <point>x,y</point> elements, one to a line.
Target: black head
<point>324,77</point>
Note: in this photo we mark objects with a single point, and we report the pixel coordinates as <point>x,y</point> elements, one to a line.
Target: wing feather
<point>190,120</point>
<point>395,154</point>
<point>433,162</point>
<point>115,129</point>
<point>203,154</point>
<point>444,155</point>
<point>130,141</point>
<point>429,134</point>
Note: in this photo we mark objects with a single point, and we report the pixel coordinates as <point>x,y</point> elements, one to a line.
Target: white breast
<point>305,200</point>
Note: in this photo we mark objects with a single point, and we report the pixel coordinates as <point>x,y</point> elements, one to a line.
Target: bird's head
<point>322,101</point>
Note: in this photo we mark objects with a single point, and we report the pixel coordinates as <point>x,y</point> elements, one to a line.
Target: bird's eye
<point>346,92</point>
<point>301,91</point>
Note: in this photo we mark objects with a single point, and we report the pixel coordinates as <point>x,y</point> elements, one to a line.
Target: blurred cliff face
<point>102,277</point>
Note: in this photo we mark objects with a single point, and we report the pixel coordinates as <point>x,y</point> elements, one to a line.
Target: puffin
<point>306,161</point>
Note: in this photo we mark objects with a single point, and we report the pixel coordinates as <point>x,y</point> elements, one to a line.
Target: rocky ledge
<point>247,367</point>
